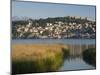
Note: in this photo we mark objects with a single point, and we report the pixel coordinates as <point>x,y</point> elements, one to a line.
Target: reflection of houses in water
<point>76,50</point>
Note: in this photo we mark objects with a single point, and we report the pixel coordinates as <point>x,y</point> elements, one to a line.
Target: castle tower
<point>30,22</point>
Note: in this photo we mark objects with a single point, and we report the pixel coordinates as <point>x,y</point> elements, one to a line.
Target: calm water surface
<point>76,46</point>
<point>50,41</point>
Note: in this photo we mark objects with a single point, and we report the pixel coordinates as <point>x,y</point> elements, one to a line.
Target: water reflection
<point>75,64</point>
<point>76,50</point>
<point>75,60</point>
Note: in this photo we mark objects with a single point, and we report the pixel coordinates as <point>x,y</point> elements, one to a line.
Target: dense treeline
<point>43,22</point>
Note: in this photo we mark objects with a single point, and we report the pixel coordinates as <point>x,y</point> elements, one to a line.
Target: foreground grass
<point>37,57</point>
<point>89,56</point>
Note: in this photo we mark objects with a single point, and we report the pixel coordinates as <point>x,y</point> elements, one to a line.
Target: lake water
<point>76,46</point>
<point>50,41</point>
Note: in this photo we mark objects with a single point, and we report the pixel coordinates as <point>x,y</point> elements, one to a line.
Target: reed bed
<point>30,58</point>
<point>89,55</point>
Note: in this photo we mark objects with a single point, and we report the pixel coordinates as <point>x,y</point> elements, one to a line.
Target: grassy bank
<point>32,58</point>
<point>89,55</point>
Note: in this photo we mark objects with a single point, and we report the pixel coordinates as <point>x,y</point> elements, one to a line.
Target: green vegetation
<point>40,65</point>
<point>37,58</point>
<point>43,22</point>
<point>89,56</point>
<point>65,52</point>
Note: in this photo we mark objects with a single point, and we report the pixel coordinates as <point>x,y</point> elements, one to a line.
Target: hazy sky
<point>44,10</point>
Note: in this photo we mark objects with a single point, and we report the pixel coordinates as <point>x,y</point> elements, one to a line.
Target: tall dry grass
<point>27,58</point>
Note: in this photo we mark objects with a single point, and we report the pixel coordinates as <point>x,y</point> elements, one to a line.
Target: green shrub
<point>89,55</point>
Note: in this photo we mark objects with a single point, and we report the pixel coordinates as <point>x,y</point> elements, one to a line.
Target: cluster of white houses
<point>57,30</point>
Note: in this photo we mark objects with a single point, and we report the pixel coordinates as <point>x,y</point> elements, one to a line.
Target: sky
<point>38,10</point>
